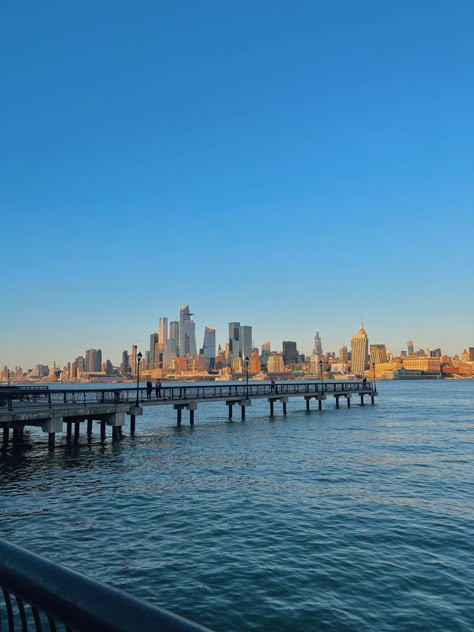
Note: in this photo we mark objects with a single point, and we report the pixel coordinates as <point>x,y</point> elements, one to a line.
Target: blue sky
<point>289,165</point>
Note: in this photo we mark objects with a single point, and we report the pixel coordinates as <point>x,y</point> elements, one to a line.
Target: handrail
<point>69,598</point>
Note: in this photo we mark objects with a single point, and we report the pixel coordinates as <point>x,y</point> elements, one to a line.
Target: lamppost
<point>321,374</point>
<point>139,359</point>
<point>373,369</point>
<point>247,377</point>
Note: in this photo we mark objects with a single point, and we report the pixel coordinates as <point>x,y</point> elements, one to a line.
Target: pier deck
<point>52,408</point>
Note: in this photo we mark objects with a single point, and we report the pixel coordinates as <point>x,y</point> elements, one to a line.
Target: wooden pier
<point>52,409</point>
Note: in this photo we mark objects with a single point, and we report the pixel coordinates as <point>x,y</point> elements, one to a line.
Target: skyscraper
<point>173,347</point>
<point>410,347</point>
<point>187,335</point>
<point>133,360</point>
<point>318,348</point>
<point>209,345</point>
<point>163,330</point>
<point>245,335</point>
<point>93,360</point>
<point>378,354</point>
<point>153,343</point>
<point>360,351</point>
<point>234,340</point>
<point>290,352</point>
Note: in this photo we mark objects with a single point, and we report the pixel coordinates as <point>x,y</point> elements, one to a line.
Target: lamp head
<point>139,356</point>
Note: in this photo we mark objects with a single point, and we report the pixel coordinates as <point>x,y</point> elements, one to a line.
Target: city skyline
<point>222,337</point>
<point>293,167</point>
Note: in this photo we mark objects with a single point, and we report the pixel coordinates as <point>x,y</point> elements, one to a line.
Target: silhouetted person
<point>272,385</point>
<point>149,388</point>
<point>158,389</point>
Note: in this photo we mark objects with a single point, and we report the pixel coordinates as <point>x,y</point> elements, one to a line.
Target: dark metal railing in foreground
<point>41,595</point>
<point>25,398</point>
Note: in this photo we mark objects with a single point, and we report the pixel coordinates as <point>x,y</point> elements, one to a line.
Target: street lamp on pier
<point>321,374</point>
<point>247,377</point>
<point>373,370</point>
<point>139,359</point>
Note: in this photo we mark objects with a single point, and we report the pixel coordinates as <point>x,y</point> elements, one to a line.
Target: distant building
<point>471,354</point>
<point>133,360</point>
<point>173,347</point>
<point>187,334</point>
<point>153,343</point>
<point>125,364</point>
<point>209,346</point>
<point>275,363</point>
<point>290,352</point>
<point>234,340</point>
<point>410,347</point>
<point>163,331</point>
<point>424,364</point>
<point>360,351</point>
<point>93,361</point>
<point>378,354</point>
<point>343,355</point>
<point>255,364</point>
<point>318,348</point>
<point>245,335</point>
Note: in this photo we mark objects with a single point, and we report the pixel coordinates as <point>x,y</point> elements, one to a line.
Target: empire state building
<point>360,351</point>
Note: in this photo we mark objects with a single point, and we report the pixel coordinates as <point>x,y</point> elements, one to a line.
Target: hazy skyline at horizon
<point>291,167</point>
<point>304,346</point>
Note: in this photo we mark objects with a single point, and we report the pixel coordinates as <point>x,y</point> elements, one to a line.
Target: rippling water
<point>349,519</point>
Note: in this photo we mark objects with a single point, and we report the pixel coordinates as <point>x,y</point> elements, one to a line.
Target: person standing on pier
<point>149,388</point>
<point>158,389</point>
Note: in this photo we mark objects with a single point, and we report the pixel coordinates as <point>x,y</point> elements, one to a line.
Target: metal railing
<point>21,399</point>
<point>40,595</point>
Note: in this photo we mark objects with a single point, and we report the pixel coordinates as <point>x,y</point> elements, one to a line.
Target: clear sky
<point>289,165</point>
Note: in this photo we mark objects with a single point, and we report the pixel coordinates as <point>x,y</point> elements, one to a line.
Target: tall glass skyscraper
<point>209,345</point>
<point>234,340</point>
<point>187,334</point>
<point>246,341</point>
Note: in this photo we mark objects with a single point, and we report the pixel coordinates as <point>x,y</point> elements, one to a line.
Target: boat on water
<point>224,377</point>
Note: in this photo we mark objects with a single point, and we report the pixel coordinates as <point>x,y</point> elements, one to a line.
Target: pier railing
<point>20,399</point>
<point>41,595</point>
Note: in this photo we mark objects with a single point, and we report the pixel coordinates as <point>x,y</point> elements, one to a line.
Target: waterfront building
<point>290,352</point>
<point>425,364</point>
<point>174,337</point>
<point>318,348</point>
<point>359,351</point>
<point>246,343</point>
<point>187,335</point>
<point>378,354</point>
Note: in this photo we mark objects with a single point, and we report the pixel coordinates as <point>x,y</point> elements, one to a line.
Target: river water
<point>349,519</point>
